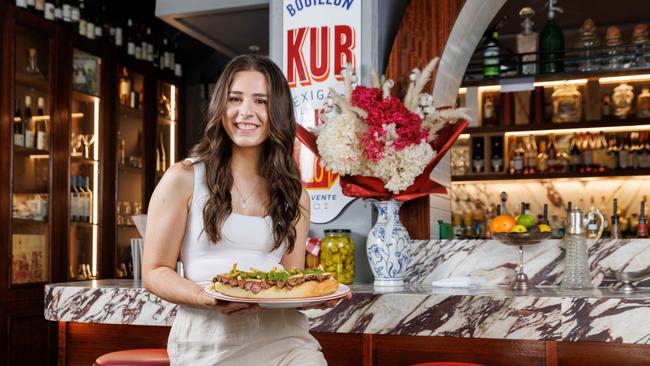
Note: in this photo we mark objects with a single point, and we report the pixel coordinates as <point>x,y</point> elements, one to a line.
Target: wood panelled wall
<point>422,35</point>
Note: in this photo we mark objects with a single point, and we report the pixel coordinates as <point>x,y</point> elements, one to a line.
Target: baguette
<point>275,284</point>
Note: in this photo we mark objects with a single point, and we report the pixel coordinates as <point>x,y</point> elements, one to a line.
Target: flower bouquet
<point>385,149</point>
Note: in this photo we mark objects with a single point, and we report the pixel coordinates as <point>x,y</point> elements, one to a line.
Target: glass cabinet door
<point>31,160</point>
<point>130,172</point>
<point>166,127</point>
<point>85,189</point>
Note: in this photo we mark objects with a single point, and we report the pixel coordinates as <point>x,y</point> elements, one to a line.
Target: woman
<point>237,200</point>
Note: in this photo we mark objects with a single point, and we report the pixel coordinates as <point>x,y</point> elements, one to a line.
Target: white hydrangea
<point>398,169</point>
<point>339,144</point>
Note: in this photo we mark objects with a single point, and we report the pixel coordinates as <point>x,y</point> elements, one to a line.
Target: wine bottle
<point>29,131</point>
<point>551,151</point>
<point>75,16</point>
<point>21,4</point>
<point>48,10</point>
<point>497,154</point>
<point>130,36</point>
<point>74,199</point>
<point>41,133</point>
<point>39,7</point>
<point>89,201</point>
<point>58,11</point>
<point>19,126</point>
<point>642,226</point>
<point>574,154</point>
<point>478,155</point>
<point>551,42</point>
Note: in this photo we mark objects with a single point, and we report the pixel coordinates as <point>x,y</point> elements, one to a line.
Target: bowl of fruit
<point>522,230</point>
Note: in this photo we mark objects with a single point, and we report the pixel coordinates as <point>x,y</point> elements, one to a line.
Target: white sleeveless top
<point>245,240</point>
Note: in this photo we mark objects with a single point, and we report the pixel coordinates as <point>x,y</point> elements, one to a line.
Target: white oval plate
<point>342,291</point>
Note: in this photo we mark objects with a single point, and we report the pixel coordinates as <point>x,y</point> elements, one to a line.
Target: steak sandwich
<point>275,284</point>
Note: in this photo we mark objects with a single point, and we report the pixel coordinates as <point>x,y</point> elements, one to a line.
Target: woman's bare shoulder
<point>178,178</point>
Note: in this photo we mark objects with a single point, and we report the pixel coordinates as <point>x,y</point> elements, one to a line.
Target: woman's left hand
<point>327,304</point>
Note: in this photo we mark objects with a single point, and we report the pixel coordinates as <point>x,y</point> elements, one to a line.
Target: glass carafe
<point>576,271</point>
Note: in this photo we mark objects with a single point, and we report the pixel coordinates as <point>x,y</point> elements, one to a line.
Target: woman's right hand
<point>224,307</point>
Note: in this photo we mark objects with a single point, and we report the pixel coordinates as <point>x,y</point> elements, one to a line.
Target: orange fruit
<point>502,224</point>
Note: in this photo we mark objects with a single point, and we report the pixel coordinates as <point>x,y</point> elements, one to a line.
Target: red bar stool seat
<point>134,357</point>
<point>447,364</point>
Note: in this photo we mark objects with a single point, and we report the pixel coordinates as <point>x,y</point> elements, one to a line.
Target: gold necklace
<point>242,204</point>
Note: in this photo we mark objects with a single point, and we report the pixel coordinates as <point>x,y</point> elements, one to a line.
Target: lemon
<point>544,228</point>
<point>519,229</point>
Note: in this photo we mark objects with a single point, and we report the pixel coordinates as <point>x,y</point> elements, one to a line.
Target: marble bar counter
<point>544,313</point>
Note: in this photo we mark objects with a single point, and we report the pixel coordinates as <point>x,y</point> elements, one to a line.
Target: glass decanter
<point>622,100</point>
<point>614,54</point>
<point>588,42</point>
<point>567,104</point>
<point>641,45</point>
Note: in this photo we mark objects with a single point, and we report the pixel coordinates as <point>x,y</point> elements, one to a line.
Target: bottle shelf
<point>130,169</point>
<point>20,150</point>
<point>558,77</point>
<point>550,127</point>
<point>81,160</point>
<point>554,175</point>
<point>83,224</point>
<point>25,221</point>
<point>42,85</point>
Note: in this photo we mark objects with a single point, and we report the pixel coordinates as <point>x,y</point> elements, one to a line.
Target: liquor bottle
<point>99,25</point>
<point>150,46</point>
<point>497,154</point>
<point>163,155</point>
<point>478,155</point>
<point>29,130</point>
<point>82,19</point>
<point>517,163</point>
<point>89,201</point>
<point>41,129</point>
<point>75,16</point>
<point>611,154</point>
<point>642,226</point>
<point>31,6</point>
<point>592,225</point>
<point>530,156</point>
<point>83,199</point>
<point>89,15</point>
<point>624,153</point>
<point>545,217</point>
<point>527,43</point>
<point>19,126</point>
<point>119,34</point>
<point>614,54</point>
<point>130,36</point>
<point>121,152</point>
<point>39,6</point>
<point>574,155</point>
<point>21,4</point>
<point>489,117</point>
<point>125,87</point>
<point>48,10</point>
<point>615,230</point>
<point>643,152</point>
<point>633,155</point>
<point>58,11</point>
<point>588,43</point>
<point>491,65</point>
<point>166,55</point>
<point>74,199</point>
<point>504,203</point>
<point>551,151</point>
<point>551,42</point>
<point>606,106</point>
<point>542,158</point>
<point>587,152</point>
<point>137,41</point>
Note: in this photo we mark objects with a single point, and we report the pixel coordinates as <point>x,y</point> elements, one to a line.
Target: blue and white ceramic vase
<point>388,245</point>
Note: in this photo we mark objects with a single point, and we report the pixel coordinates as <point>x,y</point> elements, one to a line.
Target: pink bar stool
<point>447,364</point>
<point>134,357</point>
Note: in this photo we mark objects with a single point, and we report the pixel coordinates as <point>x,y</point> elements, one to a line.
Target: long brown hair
<point>277,166</point>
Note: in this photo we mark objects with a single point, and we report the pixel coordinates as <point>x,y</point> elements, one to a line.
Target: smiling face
<point>246,116</point>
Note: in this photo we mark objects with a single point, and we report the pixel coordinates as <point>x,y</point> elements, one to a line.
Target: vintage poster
<point>319,38</point>
<point>29,259</point>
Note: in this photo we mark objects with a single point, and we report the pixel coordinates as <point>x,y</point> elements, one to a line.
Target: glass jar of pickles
<point>337,254</point>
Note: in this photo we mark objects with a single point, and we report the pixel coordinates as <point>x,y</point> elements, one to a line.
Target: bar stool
<point>134,357</point>
<point>447,364</point>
